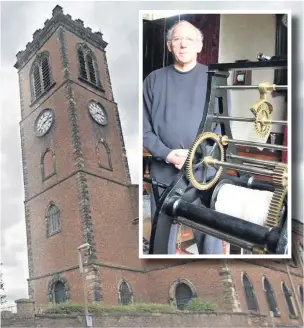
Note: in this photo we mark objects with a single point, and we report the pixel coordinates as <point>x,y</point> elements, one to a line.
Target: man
<point>174,99</point>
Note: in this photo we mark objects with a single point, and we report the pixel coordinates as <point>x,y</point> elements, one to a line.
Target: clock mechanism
<point>44,122</point>
<point>98,113</point>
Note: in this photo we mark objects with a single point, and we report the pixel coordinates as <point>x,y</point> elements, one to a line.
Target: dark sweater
<point>173,107</point>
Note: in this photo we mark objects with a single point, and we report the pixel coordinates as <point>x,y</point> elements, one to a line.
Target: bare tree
<point>2,291</point>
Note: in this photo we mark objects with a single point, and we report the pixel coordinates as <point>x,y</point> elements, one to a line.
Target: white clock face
<point>98,113</point>
<point>44,122</point>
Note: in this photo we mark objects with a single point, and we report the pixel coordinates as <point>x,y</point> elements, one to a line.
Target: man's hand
<point>177,157</point>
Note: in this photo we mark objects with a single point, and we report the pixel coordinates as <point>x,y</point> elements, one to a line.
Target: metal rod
<point>215,233</point>
<point>224,223</point>
<point>252,160</point>
<point>257,144</point>
<point>243,168</point>
<point>81,269</point>
<point>277,87</point>
<point>244,119</point>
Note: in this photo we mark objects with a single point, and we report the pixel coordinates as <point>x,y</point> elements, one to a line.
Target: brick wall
<point>139,320</point>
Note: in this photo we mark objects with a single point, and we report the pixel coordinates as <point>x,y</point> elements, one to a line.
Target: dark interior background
<point>155,52</point>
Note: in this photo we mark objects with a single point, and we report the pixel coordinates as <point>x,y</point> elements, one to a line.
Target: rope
<point>247,204</point>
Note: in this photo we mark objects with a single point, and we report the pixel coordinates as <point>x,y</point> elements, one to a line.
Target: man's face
<point>185,43</point>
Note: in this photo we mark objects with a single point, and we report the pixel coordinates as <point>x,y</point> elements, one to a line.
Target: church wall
<point>57,139</point>
<point>91,132</point>
<point>203,274</point>
<point>116,237</point>
<point>275,277</point>
<point>111,279</point>
<point>59,251</point>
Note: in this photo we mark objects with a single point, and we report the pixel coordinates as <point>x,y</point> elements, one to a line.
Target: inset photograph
<point>215,91</point>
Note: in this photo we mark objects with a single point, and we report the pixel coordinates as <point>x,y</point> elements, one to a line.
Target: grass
<point>195,305</point>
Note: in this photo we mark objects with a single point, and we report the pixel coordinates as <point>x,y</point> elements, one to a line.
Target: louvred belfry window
<point>88,68</point>
<point>41,76</point>
<point>82,68</point>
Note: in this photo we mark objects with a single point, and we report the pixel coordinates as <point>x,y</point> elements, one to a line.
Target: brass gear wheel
<point>280,182</point>
<point>262,122</point>
<point>206,136</point>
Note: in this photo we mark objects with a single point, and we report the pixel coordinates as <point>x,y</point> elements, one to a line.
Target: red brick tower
<point>76,177</point>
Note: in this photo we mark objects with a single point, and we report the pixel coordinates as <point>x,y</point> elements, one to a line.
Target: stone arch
<point>55,281</point>
<point>175,287</point>
<point>48,164</point>
<point>104,155</point>
<point>41,78</point>
<point>87,65</point>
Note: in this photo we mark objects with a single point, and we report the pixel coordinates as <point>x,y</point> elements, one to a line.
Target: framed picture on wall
<point>242,78</point>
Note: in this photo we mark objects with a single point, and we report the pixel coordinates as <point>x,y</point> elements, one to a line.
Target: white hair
<point>170,31</point>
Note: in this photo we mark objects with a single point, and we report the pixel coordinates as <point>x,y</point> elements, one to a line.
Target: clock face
<point>44,122</point>
<point>98,113</point>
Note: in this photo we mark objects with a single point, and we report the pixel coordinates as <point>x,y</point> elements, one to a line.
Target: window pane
<point>270,296</point>
<point>249,293</point>
<point>183,295</point>
<point>288,300</point>
<point>125,294</point>
<point>59,292</point>
<point>53,219</point>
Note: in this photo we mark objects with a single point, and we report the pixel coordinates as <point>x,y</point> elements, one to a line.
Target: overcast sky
<point>119,24</point>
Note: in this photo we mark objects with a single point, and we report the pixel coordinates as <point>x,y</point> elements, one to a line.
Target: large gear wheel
<point>262,122</point>
<point>280,182</point>
<point>198,152</point>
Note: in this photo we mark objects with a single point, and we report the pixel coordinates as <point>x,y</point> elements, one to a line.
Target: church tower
<point>76,178</point>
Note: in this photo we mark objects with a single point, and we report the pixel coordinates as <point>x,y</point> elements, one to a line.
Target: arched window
<point>58,289</point>
<point>183,294</point>
<point>249,294</point>
<point>301,293</point>
<point>301,255</point>
<point>88,67</point>
<point>53,224</point>
<point>125,293</point>
<point>40,75</point>
<point>289,300</point>
<point>269,294</point>
<point>59,292</point>
<point>103,154</point>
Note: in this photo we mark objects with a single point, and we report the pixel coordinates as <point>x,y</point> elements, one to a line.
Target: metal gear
<point>207,136</point>
<point>280,181</point>
<point>262,122</point>
<point>280,175</point>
